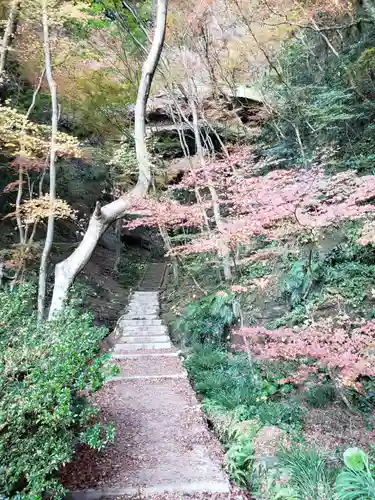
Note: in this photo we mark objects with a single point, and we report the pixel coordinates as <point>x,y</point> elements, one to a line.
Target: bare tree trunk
<point>118,245</point>
<point>7,36</point>
<point>52,166</point>
<point>168,246</point>
<point>22,232</point>
<point>67,270</point>
<point>225,252</point>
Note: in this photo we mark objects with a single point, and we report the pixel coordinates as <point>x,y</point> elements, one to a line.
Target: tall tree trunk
<point>52,165</point>
<point>7,37</point>
<point>118,245</point>
<point>67,270</point>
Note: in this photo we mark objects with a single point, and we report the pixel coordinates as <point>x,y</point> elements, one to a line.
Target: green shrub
<point>240,458</point>
<point>320,396</point>
<point>205,358</point>
<point>356,481</point>
<point>255,270</point>
<point>316,90</point>
<point>296,284</point>
<point>206,321</point>
<point>308,473</point>
<point>46,370</point>
<point>301,473</point>
<point>237,384</point>
<point>281,413</point>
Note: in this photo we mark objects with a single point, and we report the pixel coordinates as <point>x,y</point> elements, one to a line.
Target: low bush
<point>235,383</point>
<point>320,396</point>
<point>301,473</point>
<point>207,320</point>
<point>356,481</point>
<point>46,372</point>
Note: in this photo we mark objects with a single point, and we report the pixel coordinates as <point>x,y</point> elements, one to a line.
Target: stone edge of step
<point>149,377</point>
<point>179,488</point>
<point>119,355</point>
<point>152,346</point>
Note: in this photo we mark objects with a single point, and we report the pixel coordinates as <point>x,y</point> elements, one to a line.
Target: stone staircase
<point>163,448</point>
<point>141,334</point>
<point>153,278</point>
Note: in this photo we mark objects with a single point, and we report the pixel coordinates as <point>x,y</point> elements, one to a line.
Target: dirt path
<point>163,448</point>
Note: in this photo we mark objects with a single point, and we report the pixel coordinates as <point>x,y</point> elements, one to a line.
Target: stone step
<point>145,303</point>
<point>140,322</point>
<point>144,330</point>
<point>172,376</point>
<point>142,307</point>
<point>144,300</point>
<point>141,316</point>
<point>165,353</point>
<point>204,488</point>
<point>144,311</point>
<point>128,339</point>
<point>145,346</point>
<point>149,366</point>
<point>147,352</point>
<point>162,445</point>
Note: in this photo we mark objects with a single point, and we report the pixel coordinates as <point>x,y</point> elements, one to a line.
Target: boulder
<point>267,442</point>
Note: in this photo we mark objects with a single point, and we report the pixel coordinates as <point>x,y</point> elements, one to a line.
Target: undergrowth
<point>346,274</point>
<point>208,319</point>
<point>46,369</point>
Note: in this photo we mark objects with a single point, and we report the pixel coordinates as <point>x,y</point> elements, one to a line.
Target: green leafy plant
<point>320,396</point>
<point>45,371</point>
<point>298,281</point>
<point>301,473</point>
<point>239,461</point>
<point>356,481</point>
<point>237,384</point>
<point>207,320</point>
<point>282,413</point>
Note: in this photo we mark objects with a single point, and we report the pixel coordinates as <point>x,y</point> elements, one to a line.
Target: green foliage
<point>207,320</point>
<point>123,164</point>
<point>237,384</point>
<point>130,271</point>
<point>240,458</point>
<point>298,281</point>
<point>301,473</point>
<point>356,480</point>
<point>45,369</point>
<point>255,270</point>
<point>101,14</point>
<point>352,280</point>
<point>305,473</point>
<point>279,413</point>
<point>320,396</point>
<point>348,271</point>
<point>310,474</point>
<point>324,102</point>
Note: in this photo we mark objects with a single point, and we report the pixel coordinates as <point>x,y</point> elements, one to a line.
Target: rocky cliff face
<point>234,115</point>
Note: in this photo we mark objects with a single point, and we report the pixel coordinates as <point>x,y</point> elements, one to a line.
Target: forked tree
<point>103,217</point>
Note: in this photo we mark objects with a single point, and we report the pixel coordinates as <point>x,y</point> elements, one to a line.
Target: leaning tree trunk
<point>67,270</point>
<point>52,166</point>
